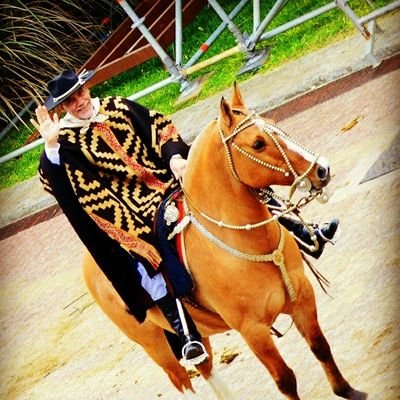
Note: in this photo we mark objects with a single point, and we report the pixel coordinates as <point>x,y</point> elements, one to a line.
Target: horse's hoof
<point>356,395</point>
<point>352,394</point>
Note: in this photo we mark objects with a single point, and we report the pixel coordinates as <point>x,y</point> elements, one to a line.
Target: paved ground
<point>56,344</point>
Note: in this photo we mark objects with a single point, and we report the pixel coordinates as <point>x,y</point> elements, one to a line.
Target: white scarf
<point>69,121</point>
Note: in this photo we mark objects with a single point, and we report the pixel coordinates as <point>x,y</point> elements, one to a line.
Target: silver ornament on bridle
<point>301,182</point>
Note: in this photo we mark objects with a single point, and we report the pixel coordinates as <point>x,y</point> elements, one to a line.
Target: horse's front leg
<point>258,337</point>
<point>305,318</point>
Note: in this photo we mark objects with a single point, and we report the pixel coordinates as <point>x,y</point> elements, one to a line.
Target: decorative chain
<point>276,256</point>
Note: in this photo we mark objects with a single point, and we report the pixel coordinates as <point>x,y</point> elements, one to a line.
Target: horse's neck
<point>212,189</point>
<point>208,180</point>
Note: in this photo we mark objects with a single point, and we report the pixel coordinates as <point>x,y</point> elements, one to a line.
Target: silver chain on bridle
<point>301,182</point>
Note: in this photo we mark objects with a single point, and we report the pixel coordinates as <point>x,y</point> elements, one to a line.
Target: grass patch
<point>319,32</point>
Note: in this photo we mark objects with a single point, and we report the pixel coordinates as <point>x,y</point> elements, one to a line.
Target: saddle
<point>169,214</point>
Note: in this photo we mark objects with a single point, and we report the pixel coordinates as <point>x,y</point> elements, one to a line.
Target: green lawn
<point>310,36</point>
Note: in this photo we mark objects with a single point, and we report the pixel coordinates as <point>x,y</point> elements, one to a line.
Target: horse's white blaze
<point>300,151</point>
<point>323,162</point>
<point>260,123</point>
<point>219,387</point>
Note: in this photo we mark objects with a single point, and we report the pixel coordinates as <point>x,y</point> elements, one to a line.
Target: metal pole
<point>187,88</point>
<point>251,42</point>
<point>370,45</point>
<point>342,4</point>
<point>298,21</point>
<point>178,32</point>
<point>21,150</point>
<point>18,117</point>
<point>231,26</point>
<point>256,15</point>
<point>377,13</point>
<point>138,23</point>
<point>151,89</point>
<point>204,47</point>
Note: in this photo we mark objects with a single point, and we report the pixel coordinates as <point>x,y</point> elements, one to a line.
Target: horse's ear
<point>237,99</point>
<point>226,113</point>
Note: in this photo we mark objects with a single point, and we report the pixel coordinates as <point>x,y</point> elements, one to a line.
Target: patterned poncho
<point>116,172</point>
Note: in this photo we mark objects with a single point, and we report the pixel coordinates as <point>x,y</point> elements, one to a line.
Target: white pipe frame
<point>179,74</point>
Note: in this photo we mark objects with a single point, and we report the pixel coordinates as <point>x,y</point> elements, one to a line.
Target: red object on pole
<point>105,21</point>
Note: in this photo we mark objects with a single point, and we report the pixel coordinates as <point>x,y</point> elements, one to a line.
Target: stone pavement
<point>262,92</point>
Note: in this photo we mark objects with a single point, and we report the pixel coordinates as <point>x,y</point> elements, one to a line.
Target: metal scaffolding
<point>246,44</point>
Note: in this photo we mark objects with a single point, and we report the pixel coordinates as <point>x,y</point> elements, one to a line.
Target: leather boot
<point>193,350</point>
<point>323,234</point>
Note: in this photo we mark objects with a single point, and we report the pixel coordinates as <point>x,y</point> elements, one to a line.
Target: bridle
<point>300,182</point>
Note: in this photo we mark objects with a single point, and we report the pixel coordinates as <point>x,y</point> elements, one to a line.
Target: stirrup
<point>196,360</point>
<point>335,237</point>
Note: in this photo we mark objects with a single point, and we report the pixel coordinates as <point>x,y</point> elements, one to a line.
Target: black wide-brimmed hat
<point>64,85</point>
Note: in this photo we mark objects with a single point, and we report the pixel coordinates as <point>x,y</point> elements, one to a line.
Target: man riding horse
<point>109,163</point>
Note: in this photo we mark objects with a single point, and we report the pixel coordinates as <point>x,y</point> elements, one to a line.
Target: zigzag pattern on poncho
<point>118,173</point>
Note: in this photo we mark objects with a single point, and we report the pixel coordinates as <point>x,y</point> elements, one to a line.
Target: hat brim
<point>49,103</point>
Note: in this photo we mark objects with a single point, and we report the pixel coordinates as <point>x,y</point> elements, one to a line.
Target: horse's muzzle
<point>323,171</point>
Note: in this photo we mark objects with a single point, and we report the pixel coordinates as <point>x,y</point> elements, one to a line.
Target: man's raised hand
<point>47,126</point>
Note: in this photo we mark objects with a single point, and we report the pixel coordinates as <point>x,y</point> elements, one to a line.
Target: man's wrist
<point>52,153</point>
<point>52,145</point>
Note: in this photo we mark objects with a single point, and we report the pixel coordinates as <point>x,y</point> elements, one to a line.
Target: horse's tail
<point>323,282</point>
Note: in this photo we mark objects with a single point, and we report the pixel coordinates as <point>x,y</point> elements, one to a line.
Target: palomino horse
<point>247,268</point>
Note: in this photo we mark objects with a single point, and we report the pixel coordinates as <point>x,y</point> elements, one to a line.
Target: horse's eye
<point>258,145</point>
<point>237,112</point>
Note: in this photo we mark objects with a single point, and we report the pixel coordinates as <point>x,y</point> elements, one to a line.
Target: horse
<point>257,267</point>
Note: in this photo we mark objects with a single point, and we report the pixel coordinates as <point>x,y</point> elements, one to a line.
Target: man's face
<point>79,104</point>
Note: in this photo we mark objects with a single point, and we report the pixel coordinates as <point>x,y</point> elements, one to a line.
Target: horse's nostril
<point>323,173</point>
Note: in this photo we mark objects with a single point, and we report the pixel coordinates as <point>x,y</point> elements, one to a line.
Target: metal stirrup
<point>196,360</point>
<point>201,357</point>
